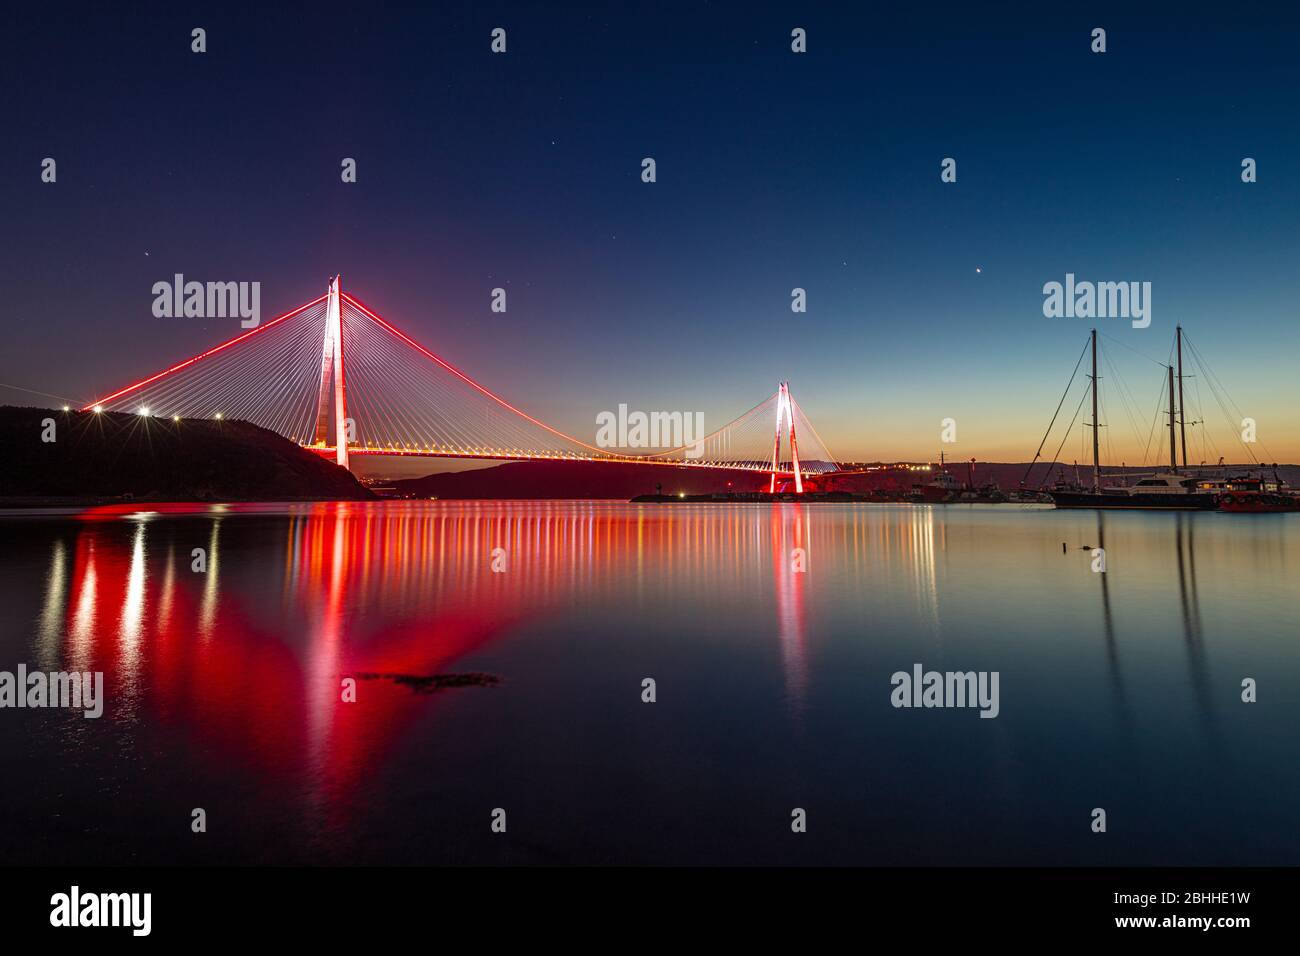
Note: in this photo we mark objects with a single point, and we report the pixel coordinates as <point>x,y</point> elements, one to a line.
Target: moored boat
<point>1257,502</point>
<point>939,490</point>
<point>1167,491</point>
<point>1251,495</point>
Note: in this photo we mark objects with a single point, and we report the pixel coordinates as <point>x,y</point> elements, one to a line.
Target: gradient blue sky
<point>775,170</point>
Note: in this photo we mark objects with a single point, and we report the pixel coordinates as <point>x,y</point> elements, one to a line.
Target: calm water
<point>1119,691</point>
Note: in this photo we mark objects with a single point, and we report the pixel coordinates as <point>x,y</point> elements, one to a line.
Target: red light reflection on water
<point>246,660</point>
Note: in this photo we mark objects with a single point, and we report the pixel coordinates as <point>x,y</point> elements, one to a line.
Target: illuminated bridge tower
<point>784,410</point>
<point>332,360</point>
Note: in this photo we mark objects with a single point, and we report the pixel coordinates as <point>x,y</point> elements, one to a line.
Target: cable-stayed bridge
<point>339,379</point>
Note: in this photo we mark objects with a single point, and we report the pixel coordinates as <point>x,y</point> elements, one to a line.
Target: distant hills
<point>621,481</point>
<point>113,455</point>
<point>578,479</point>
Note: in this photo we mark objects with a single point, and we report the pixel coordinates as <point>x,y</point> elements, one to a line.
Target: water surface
<point>1119,690</point>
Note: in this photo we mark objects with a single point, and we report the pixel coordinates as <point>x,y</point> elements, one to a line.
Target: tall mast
<point>1096,441</point>
<point>1182,406</point>
<point>1173,436</point>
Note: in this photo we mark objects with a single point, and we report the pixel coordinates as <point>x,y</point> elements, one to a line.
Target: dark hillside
<point>578,479</point>
<point>112,454</point>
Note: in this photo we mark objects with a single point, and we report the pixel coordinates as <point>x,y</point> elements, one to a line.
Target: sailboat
<point>1164,491</point>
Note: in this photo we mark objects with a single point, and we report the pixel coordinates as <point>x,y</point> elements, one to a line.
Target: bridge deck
<point>765,467</point>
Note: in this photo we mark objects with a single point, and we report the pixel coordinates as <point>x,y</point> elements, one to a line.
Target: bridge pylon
<point>785,410</point>
<point>332,361</point>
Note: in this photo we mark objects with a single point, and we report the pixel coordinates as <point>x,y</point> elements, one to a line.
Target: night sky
<point>775,170</point>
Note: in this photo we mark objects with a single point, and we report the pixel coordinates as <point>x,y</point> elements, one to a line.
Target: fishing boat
<point>1251,495</point>
<point>942,488</point>
<point>1257,502</point>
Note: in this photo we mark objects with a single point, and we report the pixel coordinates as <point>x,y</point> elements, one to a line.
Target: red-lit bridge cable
<point>465,378</point>
<point>735,423</point>
<point>190,361</point>
<point>830,458</point>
